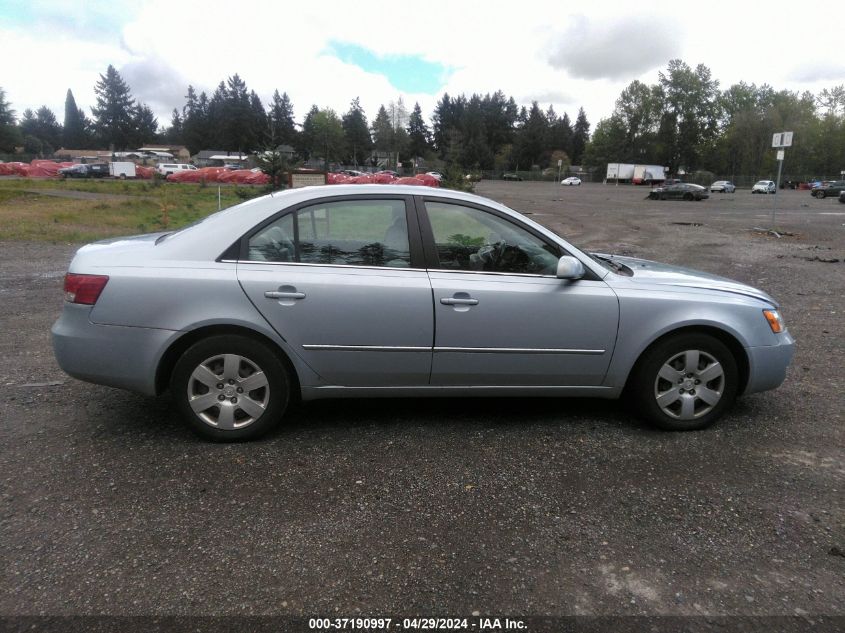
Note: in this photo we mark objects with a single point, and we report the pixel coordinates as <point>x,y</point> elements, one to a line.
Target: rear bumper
<point>116,356</point>
<point>767,365</point>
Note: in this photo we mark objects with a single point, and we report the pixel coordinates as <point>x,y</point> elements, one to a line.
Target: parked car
<point>81,170</point>
<point>268,301</point>
<point>165,169</point>
<point>512,177</point>
<point>723,186</point>
<point>572,181</point>
<point>764,186</point>
<point>832,188</point>
<point>680,191</point>
<point>436,174</point>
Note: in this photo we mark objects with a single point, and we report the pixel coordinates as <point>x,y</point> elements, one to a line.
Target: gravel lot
<point>546,507</point>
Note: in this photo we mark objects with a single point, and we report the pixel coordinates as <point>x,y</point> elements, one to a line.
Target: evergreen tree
<point>28,124</point>
<point>256,138</point>
<point>173,135</point>
<point>280,117</point>
<point>195,122</point>
<point>475,152</point>
<point>113,114</point>
<point>580,136</point>
<point>530,140</point>
<point>418,134</point>
<point>48,129</point>
<point>357,133</point>
<point>382,131</point>
<point>75,135</point>
<point>306,139</point>
<point>10,135</point>
<point>145,124</point>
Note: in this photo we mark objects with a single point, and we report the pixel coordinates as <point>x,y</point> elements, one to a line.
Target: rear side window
<point>343,233</point>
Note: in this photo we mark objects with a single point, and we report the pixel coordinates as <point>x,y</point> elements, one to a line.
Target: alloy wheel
<point>689,384</point>
<point>228,391</point>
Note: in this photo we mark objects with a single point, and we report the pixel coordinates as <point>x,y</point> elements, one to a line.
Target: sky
<point>566,54</point>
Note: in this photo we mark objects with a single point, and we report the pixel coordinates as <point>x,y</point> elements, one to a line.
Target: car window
<point>346,233</point>
<point>470,239</point>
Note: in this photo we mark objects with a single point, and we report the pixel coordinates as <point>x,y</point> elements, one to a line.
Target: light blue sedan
<point>377,291</point>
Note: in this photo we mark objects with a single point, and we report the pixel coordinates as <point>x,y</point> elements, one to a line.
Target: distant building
<point>217,158</point>
<point>171,153</point>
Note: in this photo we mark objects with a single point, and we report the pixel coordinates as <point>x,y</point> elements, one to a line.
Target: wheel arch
<point>178,347</point>
<point>723,336</point>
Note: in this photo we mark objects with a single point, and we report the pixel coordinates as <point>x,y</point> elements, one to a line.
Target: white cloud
<point>615,48</point>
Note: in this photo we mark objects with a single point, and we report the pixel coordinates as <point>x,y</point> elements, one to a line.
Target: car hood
<point>656,273</point>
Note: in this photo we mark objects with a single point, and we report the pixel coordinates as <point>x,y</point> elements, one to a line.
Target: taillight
<point>84,289</point>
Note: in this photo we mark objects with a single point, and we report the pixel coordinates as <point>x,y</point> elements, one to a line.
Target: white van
<point>165,169</point>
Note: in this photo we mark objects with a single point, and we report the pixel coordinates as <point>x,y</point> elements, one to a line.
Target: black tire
<point>820,195</point>
<point>646,382</point>
<point>269,400</point>
<point>688,197</point>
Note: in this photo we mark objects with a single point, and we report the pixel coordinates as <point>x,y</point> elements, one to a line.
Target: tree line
<point>684,121</point>
<point>474,132</point>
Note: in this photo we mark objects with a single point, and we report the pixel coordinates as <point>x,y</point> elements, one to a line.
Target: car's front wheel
<point>230,387</point>
<point>685,382</point>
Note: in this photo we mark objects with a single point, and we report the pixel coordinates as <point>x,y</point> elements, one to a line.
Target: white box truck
<point>620,171</point>
<point>122,169</point>
<point>648,174</point>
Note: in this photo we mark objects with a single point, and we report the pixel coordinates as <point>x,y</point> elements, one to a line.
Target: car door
<point>342,282</point>
<point>502,317</point>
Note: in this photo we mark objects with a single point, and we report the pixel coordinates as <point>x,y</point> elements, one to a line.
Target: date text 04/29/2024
<point>416,624</point>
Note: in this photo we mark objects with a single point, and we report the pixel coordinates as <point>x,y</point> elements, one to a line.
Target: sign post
<point>559,166</point>
<point>780,140</point>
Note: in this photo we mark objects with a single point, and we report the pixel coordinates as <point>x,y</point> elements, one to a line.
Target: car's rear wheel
<point>685,382</point>
<point>230,387</point>
<point>820,194</point>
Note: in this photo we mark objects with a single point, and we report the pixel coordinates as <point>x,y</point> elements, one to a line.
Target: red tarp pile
<point>14,169</point>
<point>381,179</point>
<point>220,174</point>
<point>144,172</point>
<point>45,169</point>
<point>244,177</point>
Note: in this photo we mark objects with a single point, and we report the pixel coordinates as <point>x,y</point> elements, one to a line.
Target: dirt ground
<point>546,507</point>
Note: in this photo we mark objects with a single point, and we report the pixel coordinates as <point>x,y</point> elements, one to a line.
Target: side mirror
<point>569,268</point>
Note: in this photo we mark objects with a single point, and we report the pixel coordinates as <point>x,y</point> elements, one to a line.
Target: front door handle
<point>458,301</point>
<point>275,294</point>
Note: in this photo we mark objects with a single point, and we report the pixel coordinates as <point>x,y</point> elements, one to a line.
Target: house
<point>217,158</point>
<point>171,153</point>
<point>83,155</point>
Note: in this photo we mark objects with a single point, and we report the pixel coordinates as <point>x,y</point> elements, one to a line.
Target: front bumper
<point>767,365</point>
<point>116,356</point>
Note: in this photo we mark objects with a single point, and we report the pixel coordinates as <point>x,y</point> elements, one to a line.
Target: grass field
<point>30,210</point>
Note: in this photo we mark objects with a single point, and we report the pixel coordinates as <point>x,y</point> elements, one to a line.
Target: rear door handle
<point>458,301</point>
<point>275,294</point>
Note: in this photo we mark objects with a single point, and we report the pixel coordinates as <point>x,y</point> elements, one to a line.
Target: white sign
<point>782,139</point>
<point>780,154</point>
<point>559,162</point>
